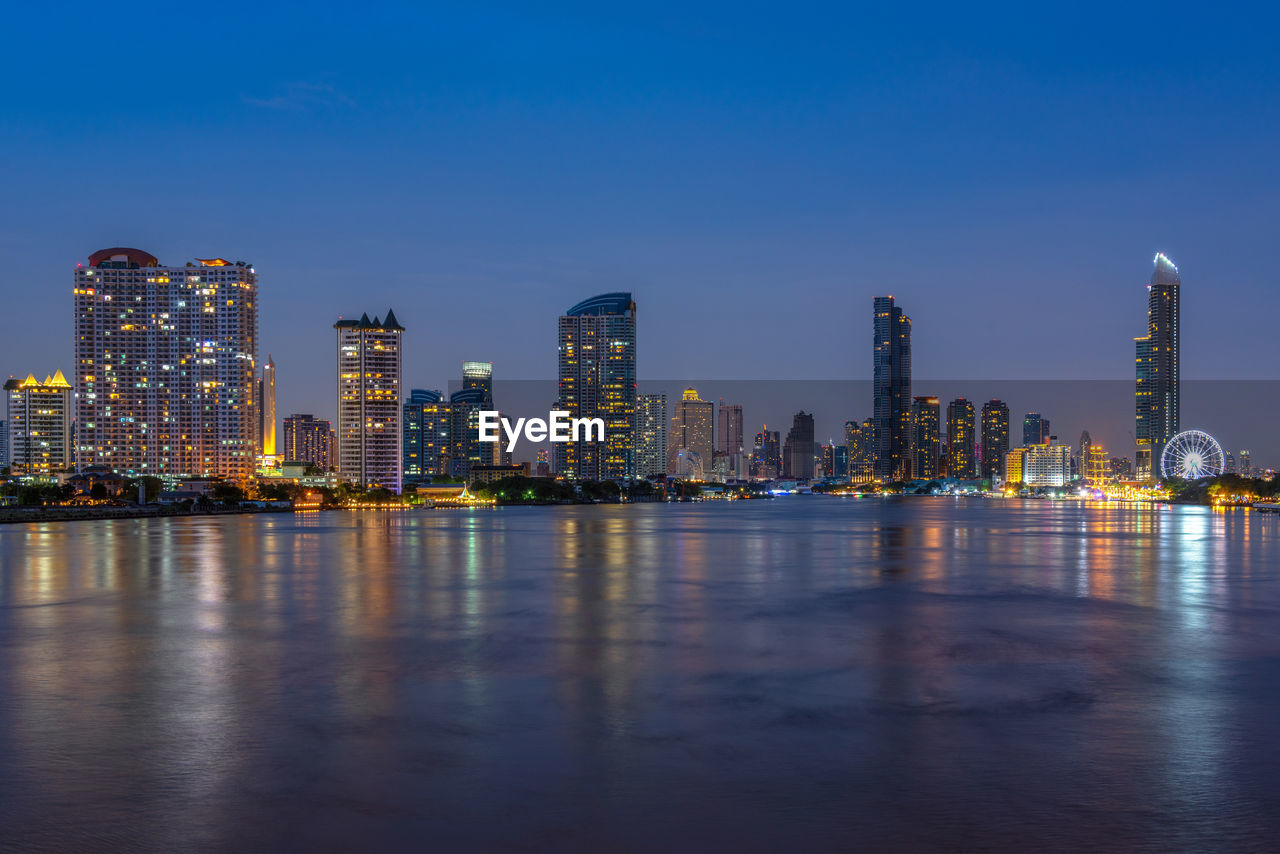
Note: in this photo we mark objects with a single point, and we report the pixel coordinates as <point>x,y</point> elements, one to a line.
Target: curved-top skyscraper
<point>1157,369</point>
<point>597,379</point>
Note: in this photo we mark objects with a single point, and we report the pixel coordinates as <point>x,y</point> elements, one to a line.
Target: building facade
<point>1015,465</point>
<point>369,435</point>
<point>926,437</point>
<point>729,436</point>
<point>1035,430</point>
<point>766,455</point>
<point>797,450</point>
<point>995,439</point>
<point>597,379</point>
<point>651,435</point>
<point>691,440</point>
<point>309,440</point>
<point>1157,400</point>
<point>39,422</point>
<point>267,409</point>
<point>892,391</point>
<point>859,442</point>
<point>1047,465</point>
<point>166,366</point>
<point>961,440</point>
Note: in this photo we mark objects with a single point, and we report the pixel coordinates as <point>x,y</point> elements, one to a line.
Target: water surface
<point>806,673</point>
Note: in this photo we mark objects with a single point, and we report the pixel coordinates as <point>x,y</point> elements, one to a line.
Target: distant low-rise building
<point>309,440</point>
<point>1047,465</point>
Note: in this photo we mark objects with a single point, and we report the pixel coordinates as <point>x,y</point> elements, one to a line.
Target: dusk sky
<point>755,174</point>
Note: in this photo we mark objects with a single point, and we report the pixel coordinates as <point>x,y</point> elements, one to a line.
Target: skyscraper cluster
<point>167,382</point>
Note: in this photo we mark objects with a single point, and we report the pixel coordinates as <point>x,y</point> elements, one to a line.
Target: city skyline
<point>144,266</point>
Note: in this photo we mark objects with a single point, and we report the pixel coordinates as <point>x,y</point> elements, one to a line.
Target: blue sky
<point>754,173</point>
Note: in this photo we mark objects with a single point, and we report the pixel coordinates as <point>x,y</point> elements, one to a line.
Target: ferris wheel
<point>1191,455</point>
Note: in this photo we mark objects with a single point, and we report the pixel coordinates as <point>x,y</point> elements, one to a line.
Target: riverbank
<point>18,515</point>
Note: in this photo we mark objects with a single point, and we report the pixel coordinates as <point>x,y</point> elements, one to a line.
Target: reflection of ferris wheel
<point>1191,455</point>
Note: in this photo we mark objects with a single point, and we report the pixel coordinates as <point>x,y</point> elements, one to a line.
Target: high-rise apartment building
<point>961,440</point>
<point>926,437</point>
<point>797,450</point>
<point>597,379</point>
<point>165,365</point>
<point>267,409</point>
<point>309,440</point>
<point>428,435</point>
<point>651,435</point>
<point>4,444</point>
<point>1157,369</point>
<point>39,419</point>
<point>995,439</point>
<point>892,391</point>
<point>690,442</point>
<point>369,438</point>
<point>1035,430</point>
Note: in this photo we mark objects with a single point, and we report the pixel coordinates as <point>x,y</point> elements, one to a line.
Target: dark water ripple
<point>803,674</point>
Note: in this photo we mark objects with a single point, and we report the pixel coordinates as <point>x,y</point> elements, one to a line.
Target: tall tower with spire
<point>1157,369</point>
<point>267,407</point>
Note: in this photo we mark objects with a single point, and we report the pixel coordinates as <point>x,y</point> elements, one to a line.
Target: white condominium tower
<point>165,365</point>
<point>369,401</point>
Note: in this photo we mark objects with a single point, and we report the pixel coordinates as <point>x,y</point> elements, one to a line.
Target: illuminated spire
<point>1165,272</point>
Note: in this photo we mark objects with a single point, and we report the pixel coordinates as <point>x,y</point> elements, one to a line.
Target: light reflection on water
<point>807,672</point>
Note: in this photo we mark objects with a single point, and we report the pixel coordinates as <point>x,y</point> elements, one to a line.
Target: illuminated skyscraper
<point>892,391</point>
<point>926,438</point>
<point>961,442</point>
<point>1157,369</point>
<point>1035,430</point>
<point>369,436</point>
<point>766,456</point>
<point>651,436</point>
<point>995,439</point>
<point>479,375</point>
<point>4,444</point>
<point>267,408</point>
<point>692,432</point>
<point>859,440</point>
<point>597,379</point>
<point>308,439</point>
<point>166,363</point>
<point>39,419</point>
